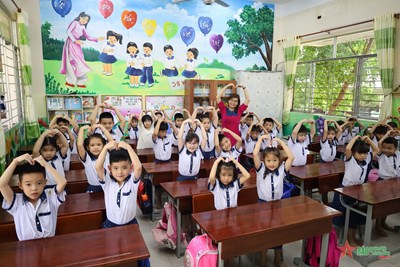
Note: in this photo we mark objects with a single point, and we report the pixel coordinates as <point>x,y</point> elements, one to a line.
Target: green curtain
<point>291,48</point>
<point>385,35</point>
<point>31,122</point>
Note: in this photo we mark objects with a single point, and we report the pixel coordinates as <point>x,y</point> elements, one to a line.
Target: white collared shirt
<point>270,188</point>
<point>225,196</point>
<point>38,221</point>
<point>328,150</point>
<point>210,137</point>
<point>299,150</point>
<point>234,153</point>
<point>120,200</point>
<point>354,173</point>
<point>162,147</point>
<point>170,63</point>
<point>189,165</point>
<point>56,163</point>
<point>389,167</point>
<point>148,61</point>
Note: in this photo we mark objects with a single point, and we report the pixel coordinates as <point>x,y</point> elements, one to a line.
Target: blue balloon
<point>205,24</point>
<point>62,7</point>
<point>187,35</point>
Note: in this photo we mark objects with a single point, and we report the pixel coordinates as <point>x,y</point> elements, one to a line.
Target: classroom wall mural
<point>142,47</point>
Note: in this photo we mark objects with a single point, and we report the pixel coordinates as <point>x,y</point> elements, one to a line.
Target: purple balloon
<point>205,24</point>
<point>187,35</point>
<point>216,41</point>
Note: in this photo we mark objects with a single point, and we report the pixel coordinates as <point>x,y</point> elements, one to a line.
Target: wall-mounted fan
<point>207,2</point>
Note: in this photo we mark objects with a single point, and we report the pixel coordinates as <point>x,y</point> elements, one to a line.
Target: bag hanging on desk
<point>313,251</point>
<point>201,252</point>
<point>165,231</point>
<point>144,196</point>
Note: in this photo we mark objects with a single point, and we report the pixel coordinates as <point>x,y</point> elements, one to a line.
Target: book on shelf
<point>86,116</point>
<point>73,103</point>
<point>77,116</point>
<point>55,102</point>
<point>89,101</point>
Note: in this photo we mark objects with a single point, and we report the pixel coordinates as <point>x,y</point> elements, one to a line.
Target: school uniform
<point>268,143</point>
<point>249,144</point>
<point>350,134</point>
<point>57,163</point>
<point>134,70</point>
<point>171,66</point>
<point>134,133</point>
<point>74,148</point>
<point>270,183</point>
<point>234,153</point>
<point>342,139</point>
<point>90,170</point>
<point>162,148</point>
<point>120,200</point>
<point>186,129</point>
<point>209,150</point>
<point>299,150</point>
<point>189,163</point>
<point>225,196</point>
<point>389,167</point>
<point>38,221</point>
<point>107,57</point>
<point>116,133</point>
<point>147,70</point>
<point>243,128</point>
<point>328,150</point>
<point>355,174</point>
<point>189,71</point>
<point>67,160</point>
<point>145,138</point>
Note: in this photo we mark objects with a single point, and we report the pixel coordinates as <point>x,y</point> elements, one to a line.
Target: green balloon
<point>170,29</point>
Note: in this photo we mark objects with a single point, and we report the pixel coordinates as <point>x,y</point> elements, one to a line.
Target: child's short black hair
<point>331,129</point>
<point>381,129</point>
<point>352,119</point>
<point>271,150</point>
<point>148,45</point>
<point>2,97</point>
<point>268,120</point>
<point>178,116</point>
<point>131,44</point>
<point>163,126</point>
<point>391,140</point>
<point>135,119</point>
<point>147,118</point>
<point>219,115</point>
<point>158,113</point>
<point>29,168</point>
<point>50,141</point>
<point>221,137</point>
<point>204,116</point>
<point>303,129</point>
<point>118,155</point>
<point>106,115</point>
<point>340,122</point>
<point>63,120</point>
<point>392,124</point>
<point>250,116</point>
<point>192,136</point>
<point>90,137</point>
<point>256,128</point>
<point>228,165</point>
<point>360,146</point>
<point>166,47</point>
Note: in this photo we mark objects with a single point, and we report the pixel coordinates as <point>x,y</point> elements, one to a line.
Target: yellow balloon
<point>149,26</point>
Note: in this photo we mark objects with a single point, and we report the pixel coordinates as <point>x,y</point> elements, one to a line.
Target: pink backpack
<point>313,251</point>
<point>201,252</point>
<point>165,231</point>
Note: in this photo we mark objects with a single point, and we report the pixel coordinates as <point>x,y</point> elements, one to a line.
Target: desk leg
<point>302,191</point>
<point>220,260</point>
<point>153,198</point>
<point>178,230</point>
<point>347,219</point>
<point>324,249</point>
<point>367,233</point>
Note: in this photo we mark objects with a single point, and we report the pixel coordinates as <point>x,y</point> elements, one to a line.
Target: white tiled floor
<point>164,257</point>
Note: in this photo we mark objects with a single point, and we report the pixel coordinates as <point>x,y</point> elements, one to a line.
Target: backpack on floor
<point>165,231</point>
<point>144,196</point>
<point>201,252</point>
<point>313,251</point>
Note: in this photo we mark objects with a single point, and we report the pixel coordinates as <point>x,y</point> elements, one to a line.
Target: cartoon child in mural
<point>170,63</point>
<point>108,51</point>
<point>133,65</point>
<point>147,65</point>
<point>190,63</point>
<point>73,63</point>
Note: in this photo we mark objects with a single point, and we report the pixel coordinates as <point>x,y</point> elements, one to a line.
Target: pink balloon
<point>216,41</point>
<point>106,8</point>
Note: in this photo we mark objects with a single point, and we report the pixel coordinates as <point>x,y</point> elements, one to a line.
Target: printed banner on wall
<point>146,47</point>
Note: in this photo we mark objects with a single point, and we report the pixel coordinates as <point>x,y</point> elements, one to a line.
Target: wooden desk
<point>182,192</point>
<point>167,172</point>
<point>310,156</point>
<point>382,199</point>
<point>105,247</point>
<point>260,226</point>
<point>309,174</point>
<point>75,163</point>
<point>147,154</point>
<point>76,182</point>
<point>132,142</point>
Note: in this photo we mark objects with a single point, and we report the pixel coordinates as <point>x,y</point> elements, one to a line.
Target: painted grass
<point>118,83</point>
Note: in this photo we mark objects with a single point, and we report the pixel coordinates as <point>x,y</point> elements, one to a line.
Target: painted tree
<point>252,34</point>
